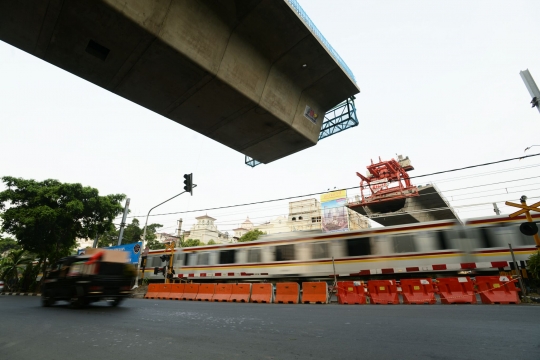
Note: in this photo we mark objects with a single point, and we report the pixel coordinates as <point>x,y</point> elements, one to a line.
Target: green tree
<point>251,235</point>
<point>47,217</point>
<point>211,242</point>
<point>132,233</point>
<point>191,243</point>
<point>12,265</point>
<point>533,266</point>
<point>7,243</point>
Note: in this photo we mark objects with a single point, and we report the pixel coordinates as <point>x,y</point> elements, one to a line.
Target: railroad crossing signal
<point>529,228</point>
<point>170,247</point>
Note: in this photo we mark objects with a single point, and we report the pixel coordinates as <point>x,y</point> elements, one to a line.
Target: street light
<point>145,226</point>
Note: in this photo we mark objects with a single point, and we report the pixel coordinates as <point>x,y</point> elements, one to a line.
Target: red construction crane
<point>387,185</point>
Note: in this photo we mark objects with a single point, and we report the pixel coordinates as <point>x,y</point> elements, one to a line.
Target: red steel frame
<point>389,181</point>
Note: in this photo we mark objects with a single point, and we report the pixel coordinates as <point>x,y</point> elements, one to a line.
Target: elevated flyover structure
<point>388,197</point>
<point>254,75</point>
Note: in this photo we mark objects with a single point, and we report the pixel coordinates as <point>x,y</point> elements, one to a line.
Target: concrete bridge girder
<point>231,69</point>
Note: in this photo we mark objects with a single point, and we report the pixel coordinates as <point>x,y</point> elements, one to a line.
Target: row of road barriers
<point>455,290</point>
<point>285,293</point>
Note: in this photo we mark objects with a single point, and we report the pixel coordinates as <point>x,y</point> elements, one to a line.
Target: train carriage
<point>425,249</point>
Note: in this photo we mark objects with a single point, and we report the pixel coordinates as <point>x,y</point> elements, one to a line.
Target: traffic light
<point>188,183</point>
<point>164,258</point>
<point>156,270</point>
<point>165,271</point>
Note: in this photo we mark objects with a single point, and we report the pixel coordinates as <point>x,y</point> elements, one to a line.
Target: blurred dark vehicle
<point>97,275</point>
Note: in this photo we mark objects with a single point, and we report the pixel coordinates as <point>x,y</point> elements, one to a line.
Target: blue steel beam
<point>341,117</point>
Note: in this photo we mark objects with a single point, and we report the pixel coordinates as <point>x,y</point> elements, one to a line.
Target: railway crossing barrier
<point>287,293</point>
<point>206,292</point>
<point>314,293</point>
<point>177,290</point>
<point>417,291</point>
<point>383,292</point>
<point>223,292</point>
<point>190,292</point>
<point>262,293</point>
<point>351,292</point>
<point>240,293</point>
<point>456,290</point>
<point>497,290</point>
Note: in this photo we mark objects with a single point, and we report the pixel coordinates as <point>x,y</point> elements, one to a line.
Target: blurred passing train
<point>424,249</point>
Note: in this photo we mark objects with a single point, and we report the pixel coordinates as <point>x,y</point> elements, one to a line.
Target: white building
<point>304,215</point>
<point>205,230</point>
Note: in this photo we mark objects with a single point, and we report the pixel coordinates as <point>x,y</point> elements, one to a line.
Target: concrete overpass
<point>254,75</point>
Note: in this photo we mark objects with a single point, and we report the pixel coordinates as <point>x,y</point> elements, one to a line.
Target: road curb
<point>19,294</point>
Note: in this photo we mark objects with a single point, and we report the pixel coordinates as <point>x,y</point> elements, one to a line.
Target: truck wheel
<point>116,302</point>
<point>46,299</point>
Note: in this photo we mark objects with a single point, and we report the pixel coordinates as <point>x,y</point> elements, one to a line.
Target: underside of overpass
<point>254,75</point>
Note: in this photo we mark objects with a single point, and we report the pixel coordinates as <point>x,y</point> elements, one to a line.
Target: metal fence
<point>295,6</point>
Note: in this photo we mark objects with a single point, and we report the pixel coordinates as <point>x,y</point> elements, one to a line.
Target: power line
<point>322,192</point>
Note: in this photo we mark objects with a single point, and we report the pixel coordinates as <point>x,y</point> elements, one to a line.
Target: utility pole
<point>531,86</point>
<point>496,209</point>
<point>123,223</point>
<point>179,231</point>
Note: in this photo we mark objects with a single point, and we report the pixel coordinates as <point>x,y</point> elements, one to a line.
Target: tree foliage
<point>12,266</point>
<point>211,242</point>
<point>191,243</point>
<point>7,243</point>
<point>533,266</point>
<point>47,217</point>
<point>251,235</point>
<point>132,233</point>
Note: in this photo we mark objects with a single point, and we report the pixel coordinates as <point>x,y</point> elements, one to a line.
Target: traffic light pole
<point>144,235</point>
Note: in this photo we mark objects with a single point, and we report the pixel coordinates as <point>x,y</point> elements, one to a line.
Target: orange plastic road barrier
<point>497,290</point>
<point>240,293</point>
<point>287,293</point>
<point>351,292</point>
<point>262,293</point>
<point>177,290</point>
<point>314,293</point>
<point>190,291</point>
<point>383,292</point>
<point>206,292</point>
<point>152,291</point>
<point>456,290</point>
<point>163,291</point>
<point>418,291</point>
<point>223,292</point>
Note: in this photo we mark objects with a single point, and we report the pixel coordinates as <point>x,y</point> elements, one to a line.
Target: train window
<point>404,243</point>
<point>442,241</point>
<point>284,252</point>
<point>202,259</point>
<point>192,259</point>
<point>179,257</point>
<point>359,247</point>
<point>227,256</point>
<point>485,238</point>
<point>156,261</point>
<point>320,250</point>
<point>254,255</point>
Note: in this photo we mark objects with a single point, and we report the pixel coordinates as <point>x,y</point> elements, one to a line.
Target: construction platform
<point>429,205</point>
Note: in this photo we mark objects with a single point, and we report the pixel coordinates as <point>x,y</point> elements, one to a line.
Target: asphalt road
<point>154,329</point>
